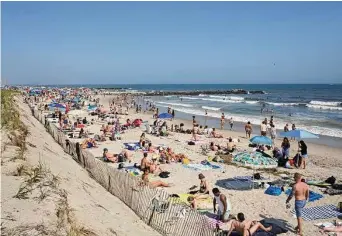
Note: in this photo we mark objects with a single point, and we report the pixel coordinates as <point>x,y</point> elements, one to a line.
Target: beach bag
<point>185,161</point>
<point>273,190</point>
<point>340,207</point>
<point>331,180</point>
<point>164,174</point>
<point>191,143</point>
<point>257,176</point>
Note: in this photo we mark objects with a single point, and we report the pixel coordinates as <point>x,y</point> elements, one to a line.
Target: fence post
<point>149,221</point>
<point>109,183</point>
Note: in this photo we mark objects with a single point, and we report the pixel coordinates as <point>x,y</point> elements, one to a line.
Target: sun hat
<point>105,149</point>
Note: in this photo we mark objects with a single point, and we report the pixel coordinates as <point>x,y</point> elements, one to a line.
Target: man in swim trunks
<point>246,227</point>
<point>301,192</point>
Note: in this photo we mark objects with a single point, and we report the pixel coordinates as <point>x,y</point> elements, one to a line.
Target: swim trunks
<point>299,205</point>
<point>224,217</point>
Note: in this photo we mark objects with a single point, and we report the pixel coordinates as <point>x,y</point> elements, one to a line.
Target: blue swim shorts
<point>299,205</point>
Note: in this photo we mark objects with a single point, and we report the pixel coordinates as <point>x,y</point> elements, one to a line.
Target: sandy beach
<point>324,162</point>
<point>90,199</point>
<point>93,210</point>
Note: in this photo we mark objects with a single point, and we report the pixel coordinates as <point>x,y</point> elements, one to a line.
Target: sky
<point>171,42</point>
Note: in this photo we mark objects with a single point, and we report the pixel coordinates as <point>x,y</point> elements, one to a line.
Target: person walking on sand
<point>248,129</point>
<point>301,192</point>
<point>224,206</point>
<point>222,121</point>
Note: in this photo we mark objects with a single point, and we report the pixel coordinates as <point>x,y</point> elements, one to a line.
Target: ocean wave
<point>324,107</point>
<point>220,100</point>
<point>191,98</point>
<point>283,104</point>
<point>252,102</point>
<point>321,103</point>
<point>169,96</point>
<point>176,104</point>
<point>202,95</point>
<point>234,98</point>
<point>256,120</point>
<point>211,108</point>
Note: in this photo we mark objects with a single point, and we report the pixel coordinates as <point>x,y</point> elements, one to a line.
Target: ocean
<point>313,107</point>
<point>316,108</point>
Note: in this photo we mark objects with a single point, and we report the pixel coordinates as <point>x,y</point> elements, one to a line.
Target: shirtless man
<point>246,227</point>
<point>301,192</point>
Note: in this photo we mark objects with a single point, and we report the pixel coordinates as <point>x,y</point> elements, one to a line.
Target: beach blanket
<point>246,178</point>
<point>273,190</point>
<point>133,171</point>
<point>132,146</point>
<point>319,212</point>
<point>254,159</point>
<point>318,183</point>
<point>201,167</point>
<point>312,195</point>
<point>202,204</point>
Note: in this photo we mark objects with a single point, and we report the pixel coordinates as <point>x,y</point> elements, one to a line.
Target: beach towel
<point>246,178</point>
<point>207,163</point>
<point>132,146</point>
<point>200,167</point>
<point>273,190</point>
<point>319,212</point>
<point>133,171</point>
<point>202,204</point>
<point>318,183</point>
<point>312,195</point>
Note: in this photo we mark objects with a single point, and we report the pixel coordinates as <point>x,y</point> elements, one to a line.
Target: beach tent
<point>261,140</point>
<point>298,133</point>
<point>165,116</point>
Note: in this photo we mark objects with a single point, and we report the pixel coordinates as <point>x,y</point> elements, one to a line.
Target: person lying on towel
<point>115,158</point>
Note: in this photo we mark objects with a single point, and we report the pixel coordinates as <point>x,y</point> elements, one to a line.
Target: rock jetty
<point>206,92</point>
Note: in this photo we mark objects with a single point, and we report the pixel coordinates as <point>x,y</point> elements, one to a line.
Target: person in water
<point>246,227</point>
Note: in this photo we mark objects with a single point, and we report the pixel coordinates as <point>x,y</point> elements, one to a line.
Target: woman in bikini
<point>222,120</point>
<point>204,188</point>
<point>153,184</point>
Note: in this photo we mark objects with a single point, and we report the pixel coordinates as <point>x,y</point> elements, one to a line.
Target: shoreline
<point>324,140</point>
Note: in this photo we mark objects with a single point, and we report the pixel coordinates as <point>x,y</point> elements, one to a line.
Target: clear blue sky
<point>171,42</point>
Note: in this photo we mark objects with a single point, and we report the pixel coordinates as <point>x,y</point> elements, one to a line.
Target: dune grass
<point>10,120</point>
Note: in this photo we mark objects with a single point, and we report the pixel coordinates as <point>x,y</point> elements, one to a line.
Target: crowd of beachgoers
<point>241,177</point>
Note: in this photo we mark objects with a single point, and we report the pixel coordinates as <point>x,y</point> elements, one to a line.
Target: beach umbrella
<point>298,133</point>
<point>261,140</point>
<point>165,116</point>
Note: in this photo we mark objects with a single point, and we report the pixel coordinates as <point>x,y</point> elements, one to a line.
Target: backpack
<point>331,180</point>
<point>164,174</point>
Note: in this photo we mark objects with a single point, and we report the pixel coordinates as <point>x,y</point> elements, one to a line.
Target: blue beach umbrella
<point>298,133</point>
<point>261,140</point>
<point>165,116</point>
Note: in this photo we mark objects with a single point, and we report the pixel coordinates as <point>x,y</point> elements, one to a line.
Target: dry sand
<point>324,162</point>
<point>104,211</point>
<point>91,207</point>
